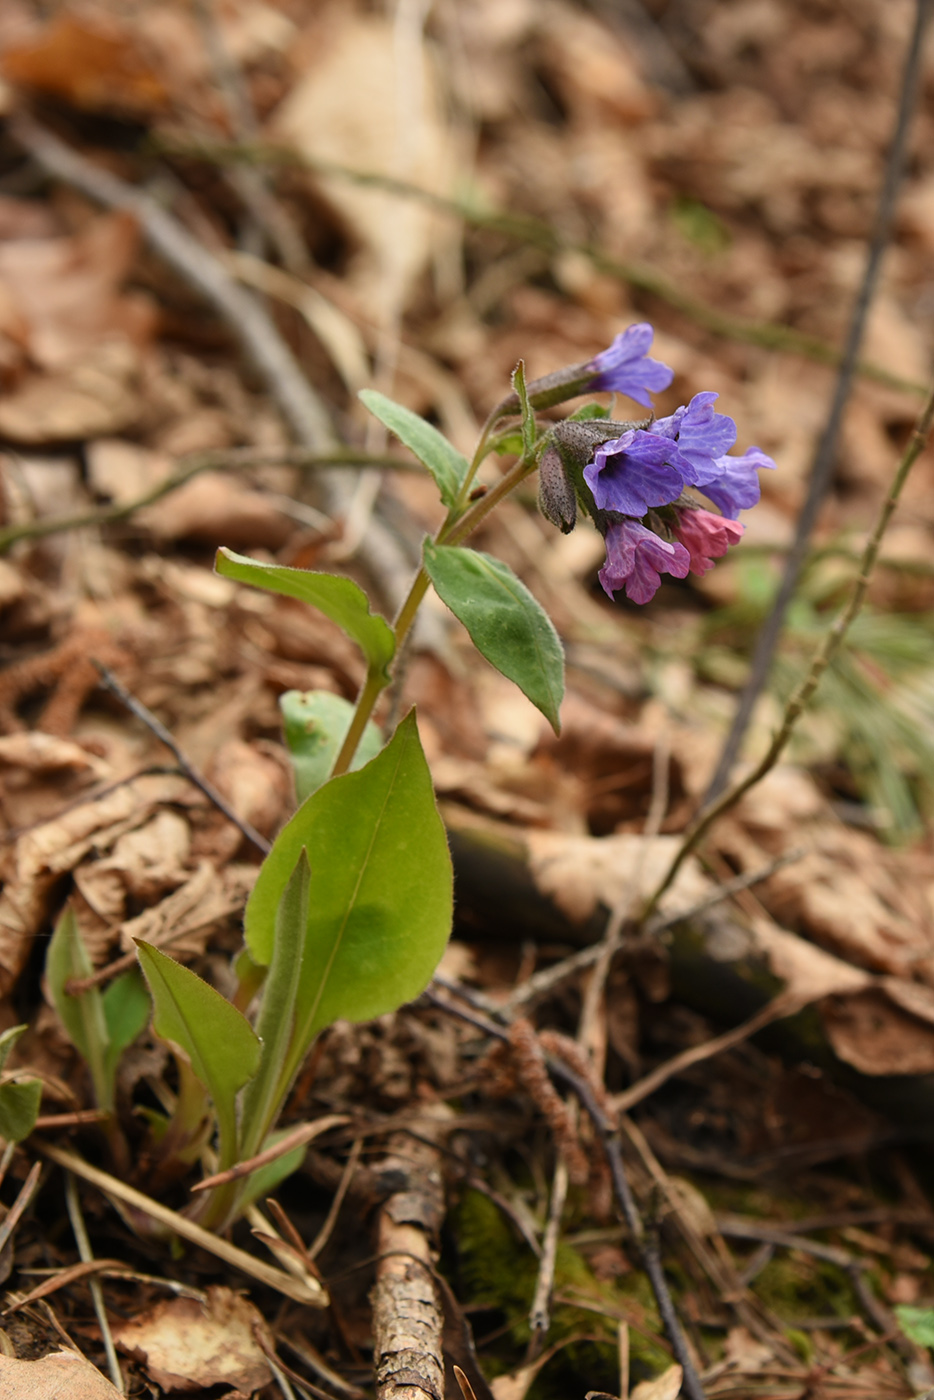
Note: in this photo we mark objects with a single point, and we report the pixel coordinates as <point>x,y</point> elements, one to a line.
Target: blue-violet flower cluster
<point>646,469</point>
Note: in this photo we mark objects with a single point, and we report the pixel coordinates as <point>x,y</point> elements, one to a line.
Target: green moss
<point>498,1270</point>
<point>797,1286</point>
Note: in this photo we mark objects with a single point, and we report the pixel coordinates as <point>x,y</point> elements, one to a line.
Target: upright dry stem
<point>825,653</point>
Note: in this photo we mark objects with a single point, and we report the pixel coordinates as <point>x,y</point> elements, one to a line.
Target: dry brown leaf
<point>220,510</point>
<point>806,970</point>
<point>40,857</point>
<point>45,753</point>
<point>185,1345</point>
<point>745,1353</point>
<point>257,784</point>
<point>581,872</point>
<point>87,64</point>
<point>187,916</point>
<point>664,1387</point>
<point>371,102</point>
<point>96,396</point>
<point>876,1037</point>
<point>62,1375</point>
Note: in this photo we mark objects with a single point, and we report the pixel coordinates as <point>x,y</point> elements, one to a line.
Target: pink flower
<point>635,559</point>
<point>705,536</point>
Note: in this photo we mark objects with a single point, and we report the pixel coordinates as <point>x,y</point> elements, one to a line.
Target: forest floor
<point>547,174</point>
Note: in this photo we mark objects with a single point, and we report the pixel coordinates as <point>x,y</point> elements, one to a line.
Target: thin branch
<point>527,229</point>
<point>785,1004</point>
<point>609,1139</point>
<point>247,318</point>
<point>825,457</point>
<point>543,982</point>
<point>137,708</point>
<point>85,1253</point>
<point>540,1312</point>
<point>825,653</point>
<point>236,458</point>
<point>300,1291</point>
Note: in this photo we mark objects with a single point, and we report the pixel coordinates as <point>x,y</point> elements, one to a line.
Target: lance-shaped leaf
<point>506,623</point>
<point>275,1023</point>
<point>126,1006</point>
<point>381,890</point>
<point>340,599</point>
<point>315,723</point>
<point>218,1040</point>
<point>448,466</point>
<point>82,1015</point>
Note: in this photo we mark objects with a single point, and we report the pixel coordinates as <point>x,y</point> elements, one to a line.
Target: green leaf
<point>506,623</point>
<point>528,416</point>
<point>381,890</point>
<point>19,1102</point>
<point>126,1010</point>
<point>275,1024</point>
<point>219,1041</point>
<point>7,1040</point>
<point>587,411</point>
<point>19,1109</point>
<point>315,723</point>
<point>340,599</point>
<point>916,1323</point>
<point>83,1015</point>
<point>448,466</point>
<point>265,1179</point>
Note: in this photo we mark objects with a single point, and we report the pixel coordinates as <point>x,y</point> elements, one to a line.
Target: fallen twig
<point>408,1318</point>
<point>823,656</point>
<point>785,1004</point>
<point>300,1290</point>
<point>609,1140</point>
<point>825,456</point>
<point>237,458</point>
<point>525,228</point>
<point>247,317</point>
<point>137,708</point>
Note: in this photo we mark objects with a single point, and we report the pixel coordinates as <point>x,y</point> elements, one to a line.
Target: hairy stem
<point>825,653</point>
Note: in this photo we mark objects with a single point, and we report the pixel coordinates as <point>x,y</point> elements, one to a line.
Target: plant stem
<point>457,525</point>
<point>825,653</point>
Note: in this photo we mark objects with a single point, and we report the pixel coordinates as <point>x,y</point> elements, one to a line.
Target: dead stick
<point>609,1139</point>
<point>408,1317</point>
<point>254,328</point>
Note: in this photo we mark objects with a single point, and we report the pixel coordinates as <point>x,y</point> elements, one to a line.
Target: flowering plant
<point>353,904</point>
<point>635,479</point>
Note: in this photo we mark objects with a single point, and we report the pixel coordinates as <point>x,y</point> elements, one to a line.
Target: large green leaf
<point>340,599</point>
<point>316,723</point>
<point>381,890</point>
<point>219,1041</point>
<point>448,466</point>
<point>506,623</point>
<point>83,1015</point>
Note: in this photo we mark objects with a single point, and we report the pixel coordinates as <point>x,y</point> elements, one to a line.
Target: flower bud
<point>557,499</point>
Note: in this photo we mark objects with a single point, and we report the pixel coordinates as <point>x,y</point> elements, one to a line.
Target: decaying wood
<point>720,965</point>
<point>408,1315</point>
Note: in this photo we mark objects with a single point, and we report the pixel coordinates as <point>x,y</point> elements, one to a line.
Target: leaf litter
<point>737,150</point>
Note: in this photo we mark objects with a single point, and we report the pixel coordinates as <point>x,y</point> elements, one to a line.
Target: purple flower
<point>705,536</point>
<point>635,559</point>
<point>701,435</point>
<point>735,486</point>
<point>630,474</point>
<point>626,369</point>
